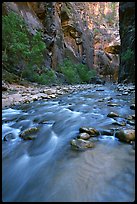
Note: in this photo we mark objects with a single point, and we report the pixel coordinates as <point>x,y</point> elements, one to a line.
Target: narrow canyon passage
<point>68,101</point>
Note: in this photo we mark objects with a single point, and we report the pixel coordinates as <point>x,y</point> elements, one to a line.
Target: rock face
<point>127,35</point>
<point>84,32</point>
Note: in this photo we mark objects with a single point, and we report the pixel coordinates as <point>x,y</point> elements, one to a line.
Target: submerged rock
<point>81,144</point>
<point>125,135</point>
<point>29,134</point>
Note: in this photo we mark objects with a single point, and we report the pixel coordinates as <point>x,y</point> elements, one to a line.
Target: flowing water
<point>49,169</point>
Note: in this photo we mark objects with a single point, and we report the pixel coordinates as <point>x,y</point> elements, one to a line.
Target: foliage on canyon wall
<point>76,73</point>
<point>20,50</point>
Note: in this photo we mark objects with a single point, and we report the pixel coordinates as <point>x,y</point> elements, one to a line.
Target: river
<point>48,169</point>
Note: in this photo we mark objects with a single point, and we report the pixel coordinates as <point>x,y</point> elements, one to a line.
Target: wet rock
<point>100,89</point>
<point>101,100</point>
<point>105,99</point>
<point>9,137</point>
<point>131,122</point>
<point>29,134</point>
<point>112,115</point>
<point>125,93</point>
<point>112,104</point>
<point>81,144</point>
<point>132,107</point>
<point>108,98</point>
<point>90,131</point>
<point>123,123</point>
<point>125,135</point>
<point>129,117</point>
<point>119,95</point>
<point>84,136</point>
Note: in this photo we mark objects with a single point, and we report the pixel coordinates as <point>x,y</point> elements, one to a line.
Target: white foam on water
<point>6,130</point>
<point>104,137</point>
<point>9,111</point>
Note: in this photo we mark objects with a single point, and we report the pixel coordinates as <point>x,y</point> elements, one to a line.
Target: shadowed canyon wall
<point>127,34</point>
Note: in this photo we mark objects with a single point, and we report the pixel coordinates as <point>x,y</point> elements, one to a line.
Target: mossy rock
<point>29,134</point>
<point>81,144</point>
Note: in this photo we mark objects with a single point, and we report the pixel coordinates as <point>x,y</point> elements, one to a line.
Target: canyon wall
<point>127,34</point>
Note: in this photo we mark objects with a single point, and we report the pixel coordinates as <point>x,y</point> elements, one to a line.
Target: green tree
<point>20,49</point>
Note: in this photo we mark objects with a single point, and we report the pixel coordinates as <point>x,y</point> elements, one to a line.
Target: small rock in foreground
<point>81,144</point>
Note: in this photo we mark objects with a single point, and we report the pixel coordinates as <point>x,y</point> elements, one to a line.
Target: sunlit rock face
<point>85,32</point>
<point>102,19</point>
<point>127,34</point>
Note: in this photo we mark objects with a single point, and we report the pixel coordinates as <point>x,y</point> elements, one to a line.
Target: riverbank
<point>14,94</point>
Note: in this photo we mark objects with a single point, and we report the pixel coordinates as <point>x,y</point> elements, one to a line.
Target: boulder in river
<point>81,144</point>
<point>125,135</point>
<point>29,134</point>
<point>90,131</point>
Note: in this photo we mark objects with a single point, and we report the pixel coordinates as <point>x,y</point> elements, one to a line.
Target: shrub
<point>84,73</point>
<point>46,77</point>
<point>76,73</point>
<point>70,72</point>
